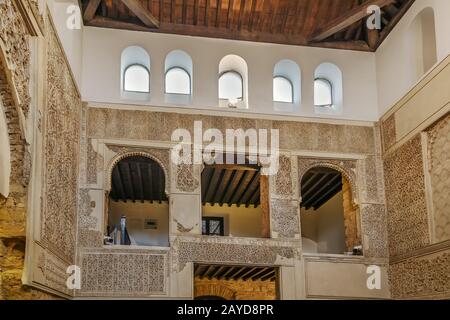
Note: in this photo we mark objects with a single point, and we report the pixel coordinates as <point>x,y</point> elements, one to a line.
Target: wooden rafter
<point>89,12</point>
<point>356,14</point>
<point>142,13</point>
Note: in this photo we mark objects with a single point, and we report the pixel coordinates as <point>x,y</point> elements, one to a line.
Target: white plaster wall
<point>101,71</point>
<point>395,76</point>
<point>71,40</point>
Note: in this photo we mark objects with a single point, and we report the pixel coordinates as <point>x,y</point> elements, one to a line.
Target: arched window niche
<point>135,74</point>
<point>138,194</point>
<point>233,82</point>
<point>178,77</point>
<point>328,89</point>
<point>422,43</point>
<point>328,214</point>
<point>286,86</point>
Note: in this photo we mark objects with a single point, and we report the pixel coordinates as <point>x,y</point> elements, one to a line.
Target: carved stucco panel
<point>285,216</point>
<point>61,153</point>
<point>232,251</point>
<point>421,277</point>
<point>374,228</point>
<point>124,273</point>
<point>439,170</point>
<point>405,198</point>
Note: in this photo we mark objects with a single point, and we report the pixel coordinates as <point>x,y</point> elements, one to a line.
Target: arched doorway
<point>329,218</point>
<point>138,195</point>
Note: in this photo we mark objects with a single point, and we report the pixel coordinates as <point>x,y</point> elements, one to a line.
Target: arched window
<point>138,194</point>
<point>323,93</point>
<point>287,85</point>
<point>328,89</point>
<point>178,81</point>
<point>135,73</point>
<point>283,91</point>
<point>179,69</point>
<point>137,79</point>
<point>231,86</point>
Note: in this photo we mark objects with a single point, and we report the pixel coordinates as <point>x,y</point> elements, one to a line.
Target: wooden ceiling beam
<point>350,17</point>
<point>142,13</point>
<point>91,9</point>
<point>395,20</point>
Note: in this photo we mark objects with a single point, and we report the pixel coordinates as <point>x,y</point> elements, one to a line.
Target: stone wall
<point>235,289</point>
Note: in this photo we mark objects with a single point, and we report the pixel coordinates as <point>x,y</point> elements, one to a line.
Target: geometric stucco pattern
<point>374,226</point>
<point>388,129</point>
<point>405,198</point>
<point>421,277</point>
<point>61,153</point>
<point>137,274</point>
<point>439,166</point>
<point>251,251</point>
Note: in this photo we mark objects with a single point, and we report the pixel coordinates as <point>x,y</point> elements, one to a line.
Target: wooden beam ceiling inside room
<point>339,24</point>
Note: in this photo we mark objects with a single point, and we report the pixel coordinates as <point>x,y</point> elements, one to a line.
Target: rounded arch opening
<point>135,71</point>
<point>422,42</point>
<point>286,83</point>
<point>138,207</point>
<point>233,82</point>
<point>329,217</point>
<point>328,89</point>
<point>178,73</point>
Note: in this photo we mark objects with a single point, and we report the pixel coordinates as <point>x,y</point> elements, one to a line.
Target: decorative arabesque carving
<point>123,274</point>
<point>61,153</point>
<point>439,167</point>
<point>421,277</point>
<point>185,179</point>
<point>405,198</point>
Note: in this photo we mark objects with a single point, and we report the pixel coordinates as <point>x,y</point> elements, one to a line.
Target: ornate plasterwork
<point>388,130</point>
<point>52,272</point>
<point>283,178</point>
<point>161,156</point>
<point>421,277</point>
<point>439,170</point>
<point>285,216</point>
<point>123,273</point>
<point>61,153</point>
<point>346,167</point>
<point>374,227</point>
<point>232,251</point>
<point>405,198</point>
<point>186,180</point>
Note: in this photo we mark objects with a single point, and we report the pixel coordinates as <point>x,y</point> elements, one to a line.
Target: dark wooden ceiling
<point>323,23</point>
<point>231,185</point>
<point>319,185</point>
<point>138,179</point>
<point>235,273</point>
